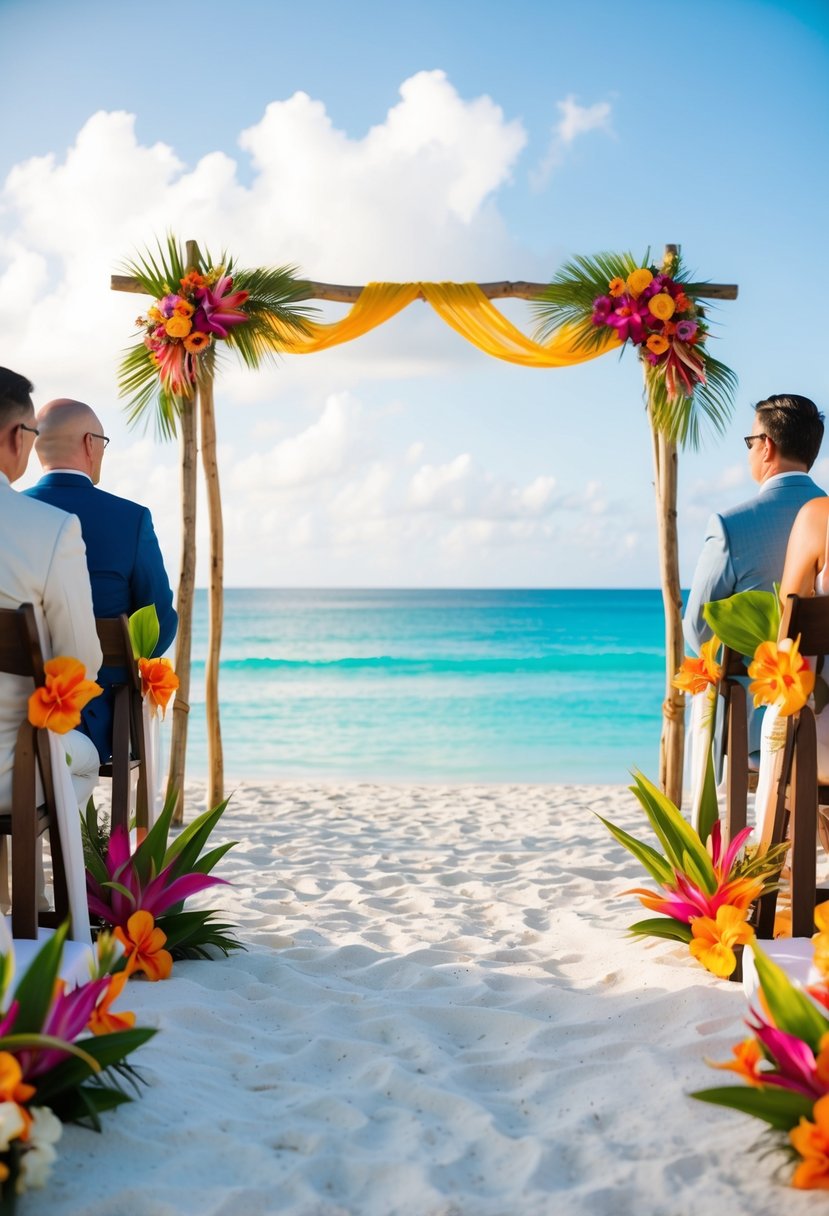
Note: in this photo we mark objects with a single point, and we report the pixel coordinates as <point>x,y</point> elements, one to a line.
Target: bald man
<point>126,568</point>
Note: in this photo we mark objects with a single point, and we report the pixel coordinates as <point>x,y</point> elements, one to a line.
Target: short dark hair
<point>15,396</point>
<point>794,423</point>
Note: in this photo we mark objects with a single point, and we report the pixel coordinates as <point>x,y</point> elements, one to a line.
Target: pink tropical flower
<point>219,309</point>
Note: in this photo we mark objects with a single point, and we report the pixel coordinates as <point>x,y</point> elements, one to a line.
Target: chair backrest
<point>808,618</point>
<point>116,646</point>
<point>20,653</point>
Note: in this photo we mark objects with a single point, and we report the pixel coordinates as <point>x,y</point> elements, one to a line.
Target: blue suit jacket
<point>126,571</point>
<point>745,550</point>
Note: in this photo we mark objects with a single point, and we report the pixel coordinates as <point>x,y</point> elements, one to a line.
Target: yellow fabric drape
<point>461,305</point>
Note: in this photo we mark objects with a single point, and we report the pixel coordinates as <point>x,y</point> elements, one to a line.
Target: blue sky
<point>442,140</point>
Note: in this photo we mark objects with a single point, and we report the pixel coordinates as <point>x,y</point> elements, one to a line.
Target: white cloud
<point>574,121</point>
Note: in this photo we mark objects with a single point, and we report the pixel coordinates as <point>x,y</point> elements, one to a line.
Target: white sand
<point>438,1013</point>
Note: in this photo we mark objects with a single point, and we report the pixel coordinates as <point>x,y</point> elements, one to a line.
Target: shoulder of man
<point>42,513</point>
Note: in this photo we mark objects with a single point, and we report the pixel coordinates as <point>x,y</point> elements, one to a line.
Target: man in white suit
<point>42,562</point>
<point>745,546</point>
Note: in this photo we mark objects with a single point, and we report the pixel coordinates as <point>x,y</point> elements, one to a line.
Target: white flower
<point>39,1156</point>
<point>12,1124</point>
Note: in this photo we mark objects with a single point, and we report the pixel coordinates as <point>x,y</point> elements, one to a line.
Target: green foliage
<point>709,811</point>
<point>744,620</point>
<point>274,315</point>
<point>782,1109</point>
<point>683,848</point>
<point>662,926</point>
<point>789,1007</point>
<point>144,631</point>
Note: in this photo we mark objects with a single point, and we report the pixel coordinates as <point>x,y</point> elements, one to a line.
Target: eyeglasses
<point>31,429</point>
<point>749,439</point>
<point>105,438</point>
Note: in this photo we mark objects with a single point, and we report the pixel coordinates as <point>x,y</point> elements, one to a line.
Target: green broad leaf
<point>144,632</point>
<point>780,1108</point>
<point>119,886</point>
<point>149,856</point>
<point>745,620</point>
<point>189,932</point>
<point>709,811</point>
<point>35,989</point>
<point>208,860</point>
<point>192,839</point>
<point>790,1008</point>
<point>21,1042</point>
<point>106,1050</point>
<point>654,862</point>
<point>84,1104</point>
<point>662,926</point>
<point>676,835</point>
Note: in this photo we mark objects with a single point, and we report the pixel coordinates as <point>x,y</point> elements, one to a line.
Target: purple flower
<point>167,304</point>
<point>220,307</point>
<point>685,330</point>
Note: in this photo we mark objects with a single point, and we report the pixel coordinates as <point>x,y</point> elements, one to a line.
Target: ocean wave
<point>610,662</point>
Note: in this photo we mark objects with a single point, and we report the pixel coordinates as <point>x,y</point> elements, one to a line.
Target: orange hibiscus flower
<point>58,703</point>
<point>158,683</point>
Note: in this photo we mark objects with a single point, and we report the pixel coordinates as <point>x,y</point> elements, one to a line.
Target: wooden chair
<point>740,779</point>
<point>799,792</point>
<point>128,743</point>
<point>20,655</point>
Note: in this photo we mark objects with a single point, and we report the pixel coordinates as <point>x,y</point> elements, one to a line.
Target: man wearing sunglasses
<point>126,568</point>
<point>745,546</point>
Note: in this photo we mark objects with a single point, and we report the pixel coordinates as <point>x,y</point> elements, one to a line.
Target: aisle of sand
<point>438,1012</point>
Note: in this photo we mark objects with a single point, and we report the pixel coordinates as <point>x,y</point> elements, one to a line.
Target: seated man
<point>745,546</point>
<point>125,564</point>
<point>42,562</point>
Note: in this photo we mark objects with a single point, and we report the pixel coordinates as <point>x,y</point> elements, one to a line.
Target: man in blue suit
<point>745,546</point>
<point>126,568</point>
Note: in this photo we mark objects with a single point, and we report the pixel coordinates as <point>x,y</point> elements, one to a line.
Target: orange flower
<point>616,287</point>
<point>101,1020</point>
<point>681,302</point>
<point>747,1055</point>
<point>196,342</point>
<point>811,1141</point>
<point>143,946</point>
<point>638,280</point>
<point>158,683</point>
<point>661,306</point>
<point>178,327</point>
<point>714,940</point>
<point>192,280</point>
<point>695,675</point>
<point>781,676</point>
<point>656,344</point>
<point>14,1089</point>
<point>58,703</point>
<point>669,329</point>
<point>183,309</point>
<point>820,940</point>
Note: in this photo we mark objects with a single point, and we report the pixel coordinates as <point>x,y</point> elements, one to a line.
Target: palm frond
<point>568,301</point>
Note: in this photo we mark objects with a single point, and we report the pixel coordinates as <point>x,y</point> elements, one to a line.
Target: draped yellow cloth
<point>461,305</point>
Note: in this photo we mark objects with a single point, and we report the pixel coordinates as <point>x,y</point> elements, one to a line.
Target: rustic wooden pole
<point>502,290</point>
<point>210,466</point>
<point>188,436</point>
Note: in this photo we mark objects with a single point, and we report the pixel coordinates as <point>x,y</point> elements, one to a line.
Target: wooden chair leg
<point>736,808</point>
<point>24,837</point>
<point>775,832</point>
<point>804,827</point>
<point>121,760</point>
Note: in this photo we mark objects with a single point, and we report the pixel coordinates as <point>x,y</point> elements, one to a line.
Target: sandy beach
<point>438,1013</point>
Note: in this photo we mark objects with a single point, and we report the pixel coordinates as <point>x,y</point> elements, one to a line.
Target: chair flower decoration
<point>784,1064</point>
<point>705,889</point>
<point>62,1059</point>
<point>57,704</point>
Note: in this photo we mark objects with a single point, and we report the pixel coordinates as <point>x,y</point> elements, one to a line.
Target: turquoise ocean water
<point>512,686</point>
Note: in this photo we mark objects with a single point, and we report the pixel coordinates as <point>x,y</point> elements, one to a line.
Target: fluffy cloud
<point>574,121</point>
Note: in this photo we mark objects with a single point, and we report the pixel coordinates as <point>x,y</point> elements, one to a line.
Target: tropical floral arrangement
<point>657,310</point>
<point>705,889</point>
<point>140,895</point>
<point>158,679</point>
<point>56,705</point>
<point>62,1058</point>
<point>784,1064</point>
<point>197,308</point>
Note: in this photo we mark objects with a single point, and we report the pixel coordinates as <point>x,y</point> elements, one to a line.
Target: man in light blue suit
<point>126,568</point>
<point>745,546</point>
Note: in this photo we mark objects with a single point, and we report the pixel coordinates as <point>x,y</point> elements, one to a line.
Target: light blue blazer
<point>745,550</point>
